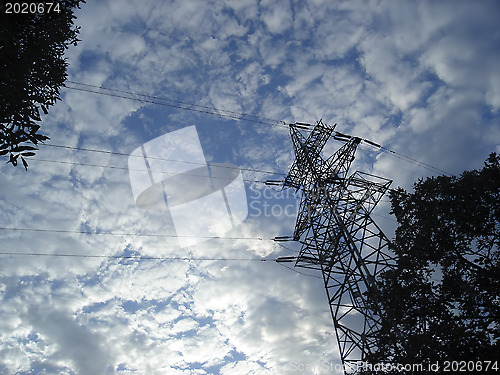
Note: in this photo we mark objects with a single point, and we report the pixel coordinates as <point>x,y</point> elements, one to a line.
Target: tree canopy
<point>442,300</point>
<point>32,70</point>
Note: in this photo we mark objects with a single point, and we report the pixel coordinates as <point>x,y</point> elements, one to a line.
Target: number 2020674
<point>31,8</point>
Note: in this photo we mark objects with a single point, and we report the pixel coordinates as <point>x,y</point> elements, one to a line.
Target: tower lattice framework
<point>338,236</point>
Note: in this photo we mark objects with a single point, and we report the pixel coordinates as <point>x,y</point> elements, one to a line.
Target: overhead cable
<point>136,257</point>
<point>162,258</point>
<point>126,234</point>
<point>134,169</point>
<point>170,103</point>
<point>231,115</point>
<point>157,158</point>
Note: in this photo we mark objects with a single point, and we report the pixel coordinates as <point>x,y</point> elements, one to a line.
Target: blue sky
<point>420,78</point>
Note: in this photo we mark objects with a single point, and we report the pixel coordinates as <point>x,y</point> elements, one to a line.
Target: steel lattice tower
<point>338,236</point>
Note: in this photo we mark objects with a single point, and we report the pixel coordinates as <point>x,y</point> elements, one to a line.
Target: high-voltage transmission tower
<point>338,236</point>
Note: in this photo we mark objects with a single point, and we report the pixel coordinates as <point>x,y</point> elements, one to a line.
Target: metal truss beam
<point>338,235</point>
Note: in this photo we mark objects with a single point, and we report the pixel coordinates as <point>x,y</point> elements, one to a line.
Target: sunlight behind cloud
<point>419,78</point>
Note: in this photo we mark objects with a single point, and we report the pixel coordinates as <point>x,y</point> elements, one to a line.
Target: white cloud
<point>419,78</point>
<point>76,343</point>
<point>276,15</point>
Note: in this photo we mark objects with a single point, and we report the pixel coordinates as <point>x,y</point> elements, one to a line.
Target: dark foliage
<point>32,70</point>
<point>442,301</point>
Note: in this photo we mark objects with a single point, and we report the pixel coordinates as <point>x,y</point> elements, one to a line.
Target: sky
<point>420,78</point>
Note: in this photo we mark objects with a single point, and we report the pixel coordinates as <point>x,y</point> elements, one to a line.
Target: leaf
<point>34,128</point>
<point>25,163</point>
<point>23,148</point>
<point>13,159</point>
<point>32,69</point>
<point>437,226</point>
<point>36,115</point>
<point>28,154</point>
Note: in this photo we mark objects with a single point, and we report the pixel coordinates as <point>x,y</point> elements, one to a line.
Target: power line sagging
<point>157,100</point>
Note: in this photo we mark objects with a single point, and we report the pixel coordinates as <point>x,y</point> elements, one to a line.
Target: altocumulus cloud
<point>418,77</point>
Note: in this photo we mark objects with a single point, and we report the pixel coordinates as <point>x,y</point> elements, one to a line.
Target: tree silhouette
<point>32,69</point>
<point>442,301</point>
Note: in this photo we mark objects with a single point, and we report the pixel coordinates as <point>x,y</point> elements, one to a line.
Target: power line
<point>185,106</point>
<point>137,169</point>
<point>127,234</point>
<point>415,161</point>
<point>227,114</point>
<point>158,158</point>
<point>385,217</point>
<point>286,248</point>
<point>172,173</point>
<point>177,102</point>
<point>184,174</point>
<point>165,258</point>
<point>297,271</point>
<point>181,161</point>
<point>135,257</point>
<point>409,159</point>
<point>394,153</point>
